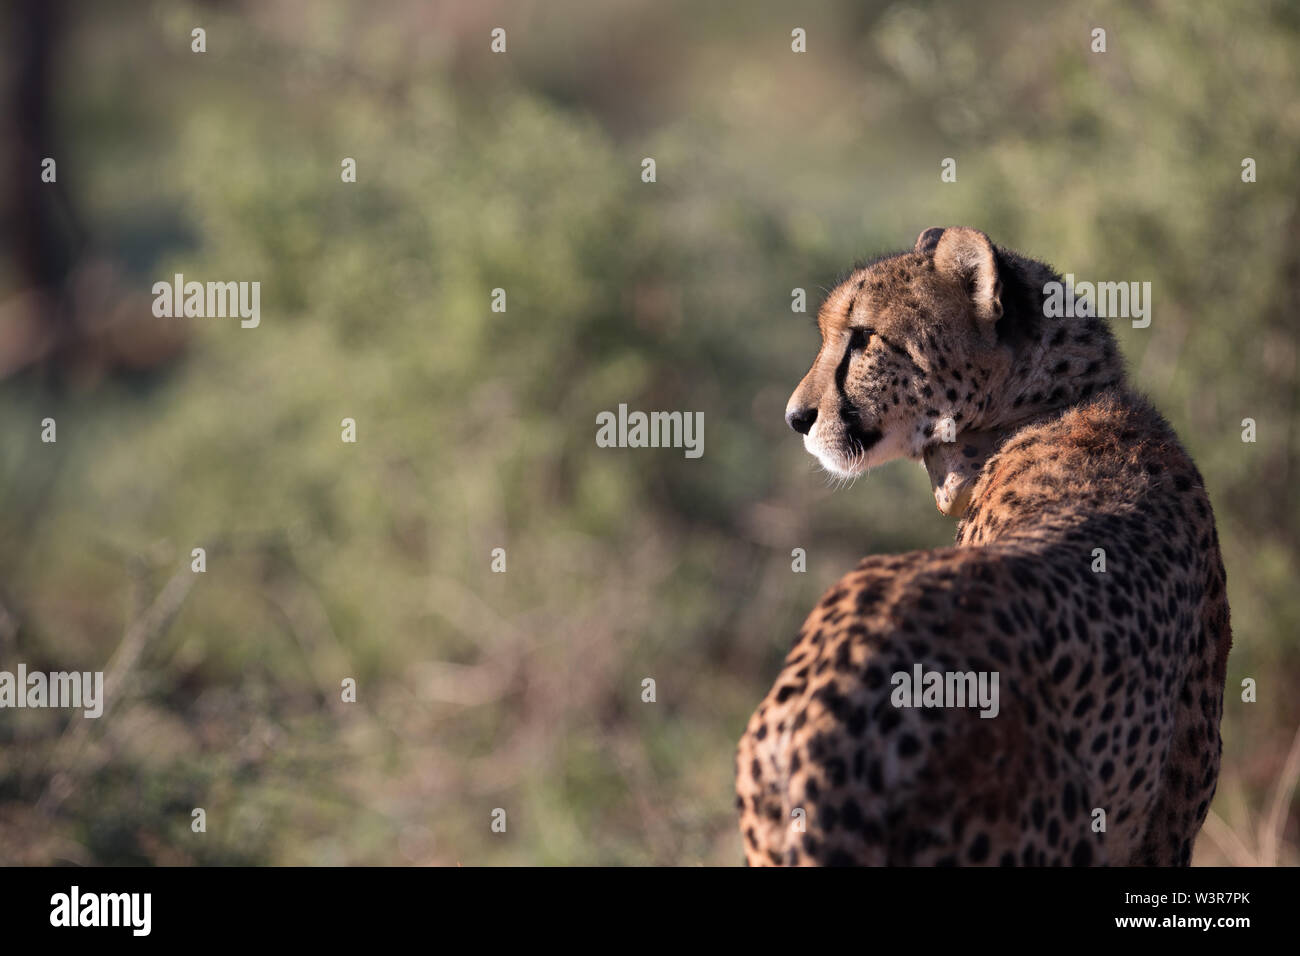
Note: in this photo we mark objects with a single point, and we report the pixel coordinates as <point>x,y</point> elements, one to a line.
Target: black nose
<point>801,419</point>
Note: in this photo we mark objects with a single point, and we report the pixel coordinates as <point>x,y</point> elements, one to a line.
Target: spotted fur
<point>1111,683</point>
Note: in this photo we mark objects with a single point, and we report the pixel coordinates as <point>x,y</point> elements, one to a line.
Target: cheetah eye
<point>860,339</point>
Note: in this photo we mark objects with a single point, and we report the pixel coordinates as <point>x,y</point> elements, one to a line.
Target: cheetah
<point>1085,582</point>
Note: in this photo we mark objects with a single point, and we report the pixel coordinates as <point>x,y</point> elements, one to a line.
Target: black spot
<point>857,722</point>
<point>851,815</point>
<point>1068,802</point>
<point>837,771</point>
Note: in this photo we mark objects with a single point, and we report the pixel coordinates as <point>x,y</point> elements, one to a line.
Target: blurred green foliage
<point>476,429</point>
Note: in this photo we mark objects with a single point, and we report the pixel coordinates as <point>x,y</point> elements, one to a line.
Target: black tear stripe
<point>842,372</point>
<point>862,438</point>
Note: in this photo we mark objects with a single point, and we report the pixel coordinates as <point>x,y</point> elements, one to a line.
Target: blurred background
<point>476,430</point>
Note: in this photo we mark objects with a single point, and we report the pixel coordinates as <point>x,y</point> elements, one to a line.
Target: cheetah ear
<point>927,240</point>
<point>967,255</point>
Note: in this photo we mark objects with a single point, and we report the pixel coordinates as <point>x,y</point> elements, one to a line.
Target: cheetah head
<point>911,354</point>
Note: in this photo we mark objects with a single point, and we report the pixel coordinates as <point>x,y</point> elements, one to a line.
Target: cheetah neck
<point>1065,366</point>
<point>1041,367</point>
<point>1069,361</point>
<point>1047,363</point>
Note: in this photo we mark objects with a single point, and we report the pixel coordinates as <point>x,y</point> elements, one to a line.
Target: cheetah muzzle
<point>1085,577</point>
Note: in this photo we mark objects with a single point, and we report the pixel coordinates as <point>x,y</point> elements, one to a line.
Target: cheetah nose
<point>801,419</point>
